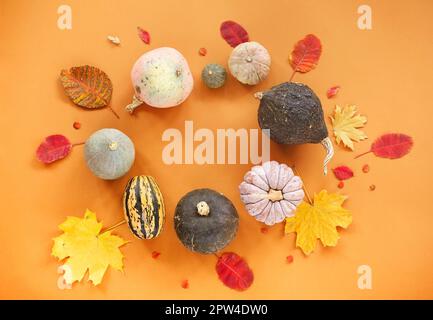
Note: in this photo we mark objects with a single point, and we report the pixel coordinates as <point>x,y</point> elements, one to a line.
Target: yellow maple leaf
<point>319,221</point>
<point>85,248</point>
<point>345,123</point>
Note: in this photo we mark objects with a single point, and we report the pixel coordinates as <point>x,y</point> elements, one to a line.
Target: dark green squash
<point>293,114</point>
<point>205,221</point>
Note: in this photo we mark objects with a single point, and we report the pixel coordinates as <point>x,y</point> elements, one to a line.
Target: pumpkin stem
<point>203,208</point>
<point>135,103</point>
<point>258,95</point>
<point>327,144</point>
<point>113,146</point>
<point>275,195</point>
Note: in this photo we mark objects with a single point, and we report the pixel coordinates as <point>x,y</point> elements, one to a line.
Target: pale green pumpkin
<point>214,75</point>
<point>109,154</point>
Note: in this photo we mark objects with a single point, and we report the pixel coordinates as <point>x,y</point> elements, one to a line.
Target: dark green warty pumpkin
<point>205,221</point>
<point>143,206</point>
<point>293,114</point>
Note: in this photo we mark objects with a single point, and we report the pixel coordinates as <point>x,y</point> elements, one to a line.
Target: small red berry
<point>185,284</point>
<point>264,230</point>
<point>155,254</point>
<point>289,259</point>
<point>340,184</point>
<point>365,168</point>
<point>76,125</point>
<point>202,51</point>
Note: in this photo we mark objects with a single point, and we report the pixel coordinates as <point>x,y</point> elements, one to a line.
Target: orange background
<point>387,72</point>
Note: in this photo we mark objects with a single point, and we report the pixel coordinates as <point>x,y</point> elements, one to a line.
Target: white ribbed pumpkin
<point>250,62</point>
<point>271,192</point>
<point>109,153</point>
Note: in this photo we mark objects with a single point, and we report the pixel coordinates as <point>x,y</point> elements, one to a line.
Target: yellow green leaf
<point>346,124</point>
<point>86,249</point>
<point>319,221</point>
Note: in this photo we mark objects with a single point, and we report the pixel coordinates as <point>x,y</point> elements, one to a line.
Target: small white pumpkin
<point>161,79</point>
<point>271,192</point>
<point>250,63</point>
<point>109,153</point>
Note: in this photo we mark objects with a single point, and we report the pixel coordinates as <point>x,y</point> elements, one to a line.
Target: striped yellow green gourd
<point>143,206</point>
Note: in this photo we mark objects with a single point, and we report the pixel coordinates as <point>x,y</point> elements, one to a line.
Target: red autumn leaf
<point>233,33</point>
<point>234,272</point>
<point>332,91</point>
<point>53,148</point>
<point>143,35</point>
<point>391,146</point>
<point>306,54</point>
<point>343,172</point>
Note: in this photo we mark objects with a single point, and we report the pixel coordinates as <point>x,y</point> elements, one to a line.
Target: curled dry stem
<point>134,104</point>
<point>327,144</point>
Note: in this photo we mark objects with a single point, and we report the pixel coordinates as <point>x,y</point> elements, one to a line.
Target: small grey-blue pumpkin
<point>214,75</point>
<point>109,153</point>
